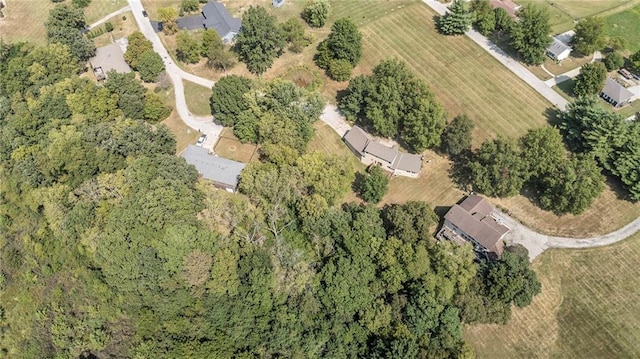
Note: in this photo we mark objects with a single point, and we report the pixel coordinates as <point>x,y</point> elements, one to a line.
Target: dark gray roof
<point>217,17</point>
<point>213,168</point>
<point>557,47</point>
<point>381,151</point>
<point>192,22</point>
<point>357,139</point>
<point>110,58</point>
<point>408,162</point>
<point>615,91</point>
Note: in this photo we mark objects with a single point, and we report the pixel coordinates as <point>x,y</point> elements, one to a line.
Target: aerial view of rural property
<point>263,179</point>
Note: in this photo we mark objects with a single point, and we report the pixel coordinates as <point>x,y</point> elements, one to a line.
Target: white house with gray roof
<point>370,151</point>
<point>616,94</point>
<point>558,50</point>
<point>213,16</point>
<point>223,172</point>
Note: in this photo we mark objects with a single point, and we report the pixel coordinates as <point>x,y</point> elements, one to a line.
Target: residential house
<point>370,151</point>
<point>558,50</point>
<point>223,172</point>
<point>213,16</point>
<point>474,220</point>
<point>511,7</point>
<point>616,94</point>
<point>108,58</point>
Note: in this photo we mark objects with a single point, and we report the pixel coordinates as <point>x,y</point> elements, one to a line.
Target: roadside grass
<point>627,25</point>
<point>98,9</point>
<point>230,147</point>
<point>184,134</point>
<point>558,68</point>
<point>564,12</point>
<point>464,78</point>
<point>588,308</point>
<point>121,28</point>
<point>197,98</point>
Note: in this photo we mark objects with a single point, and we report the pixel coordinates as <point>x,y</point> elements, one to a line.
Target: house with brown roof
<point>370,151</point>
<point>616,94</point>
<point>511,7</point>
<point>474,220</point>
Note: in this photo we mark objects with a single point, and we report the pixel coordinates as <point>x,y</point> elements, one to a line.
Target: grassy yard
<point>230,147</point>
<point>627,25</point>
<point>25,19</point>
<point>588,308</point>
<point>566,90</point>
<point>184,134</point>
<point>121,28</point>
<point>564,12</point>
<point>197,98</point>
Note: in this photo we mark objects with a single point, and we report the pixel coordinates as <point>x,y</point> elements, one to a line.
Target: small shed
<point>278,3</point>
<point>108,58</point>
<point>558,51</point>
<point>616,94</point>
<point>223,172</point>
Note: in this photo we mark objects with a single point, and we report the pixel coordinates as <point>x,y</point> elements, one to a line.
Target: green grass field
<point>627,25</point>
<point>230,147</point>
<point>588,308</point>
<point>197,98</point>
<point>564,12</point>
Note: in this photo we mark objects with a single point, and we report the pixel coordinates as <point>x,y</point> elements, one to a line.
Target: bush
<point>190,5</point>
<point>108,26</point>
<point>339,70</point>
<point>81,3</point>
<point>316,12</point>
<point>613,61</point>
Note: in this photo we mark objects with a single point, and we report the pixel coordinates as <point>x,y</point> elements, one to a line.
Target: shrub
<point>339,70</point>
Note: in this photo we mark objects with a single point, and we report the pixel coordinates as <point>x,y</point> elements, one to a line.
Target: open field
<point>230,147</point>
<point>588,308</point>
<point>564,12</point>
<point>627,25</point>
<point>197,98</point>
<point>464,78</point>
<point>25,19</point>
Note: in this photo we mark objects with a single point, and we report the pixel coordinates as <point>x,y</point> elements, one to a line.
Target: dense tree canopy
<point>457,136</point>
<point>530,34</point>
<point>590,36</point>
<point>260,40</point>
<point>150,65</point>
<point>613,60</point>
<point>316,12</point>
<point>64,26</point>
<point>457,20</point>
<point>227,99</point>
<point>344,43</point>
<point>393,103</point>
<point>373,185</point>
<point>590,80</point>
<point>136,46</point>
<point>497,168</point>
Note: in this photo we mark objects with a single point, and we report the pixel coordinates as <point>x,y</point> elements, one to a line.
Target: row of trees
<point>392,103</point>
<point>141,57</point>
<point>559,182</point>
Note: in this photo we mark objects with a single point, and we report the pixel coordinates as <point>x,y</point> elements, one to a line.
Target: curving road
<point>535,242</point>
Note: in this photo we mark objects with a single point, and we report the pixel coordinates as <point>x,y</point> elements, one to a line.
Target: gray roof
<point>381,151</point>
<point>557,47</point>
<point>217,17</point>
<point>615,91</point>
<point>408,162</point>
<point>357,139</point>
<point>473,216</point>
<point>217,169</point>
<point>109,58</point>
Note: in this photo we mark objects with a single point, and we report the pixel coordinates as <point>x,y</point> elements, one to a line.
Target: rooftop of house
<point>110,58</point>
<point>616,91</point>
<point>511,7</point>
<point>557,47</point>
<point>213,168</point>
<point>357,138</point>
<point>217,17</point>
<point>381,151</point>
<point>408,162</point>
<point>474,217</point>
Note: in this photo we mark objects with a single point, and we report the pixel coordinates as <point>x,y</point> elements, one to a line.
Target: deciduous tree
<point>484,16</point>
<point>260,40</point>
<point>590,79</point>
<point>150,65</point>
<point>497,168</point>
<point>189,5</point>
<point>188,49</point>
<point>634,60</point>
<point>137,45</point>
<point>530,34</point>
<point>343,43</point>
<point>168,15</point>
<point>373,185</point>
<point>316,12</point>
<point>457,136</point>
<point>227,99</point>
<point>590,36</point>
<point>613,61</point>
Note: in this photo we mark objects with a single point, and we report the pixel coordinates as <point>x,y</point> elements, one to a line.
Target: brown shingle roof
<point>357,139</point>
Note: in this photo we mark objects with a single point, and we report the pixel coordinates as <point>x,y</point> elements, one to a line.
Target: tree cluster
<point>589,36</point>
<point>393,103</point>
<point>607,136</point>
<point>489,20</point>
<point>590,79</point>
<point>372,185</point>
<point>341,51</point>
<point>65,25</point>
<point>457,20</point>
<point>560,183</point>
<point>141,57</point>
<point>530,34</point>
<point>260,40</point>
<point>277,112</point>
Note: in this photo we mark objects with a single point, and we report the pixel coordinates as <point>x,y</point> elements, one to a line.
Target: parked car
<point>201,140</point>
<point>144,13</point>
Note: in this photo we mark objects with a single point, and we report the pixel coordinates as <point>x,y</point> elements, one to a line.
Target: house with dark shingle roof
<point>108,58</point>
<point>370,151</point>
<point>616,94</point>
<point>474,220</point>
<point>223,172</point>
<point>213,16</point>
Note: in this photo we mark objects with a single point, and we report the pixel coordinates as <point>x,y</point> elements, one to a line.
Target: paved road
<point>513,65</point>
<point>106,18</point>
<point>202,124</point>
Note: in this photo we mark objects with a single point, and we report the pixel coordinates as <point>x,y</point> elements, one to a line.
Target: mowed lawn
<point>25,19</point>
<point>564,12</point>
<point>198,98</point>
<point>464,78</point>
<point>588,308</point>
<point>626,25</point>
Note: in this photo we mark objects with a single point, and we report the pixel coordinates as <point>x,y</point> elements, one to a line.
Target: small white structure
<point>370,151</point>
<point>558,50</point>
<point>278,3</point>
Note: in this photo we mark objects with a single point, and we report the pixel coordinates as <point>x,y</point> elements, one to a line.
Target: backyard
<point>197,98</point>
<point>626,24</point>
<point>588,308</point>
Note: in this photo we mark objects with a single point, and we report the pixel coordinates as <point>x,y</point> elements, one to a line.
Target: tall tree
<point>227,99</point>
<point>137,45</point>
<point>316,12</point>
<point>130,93</point>
<point>187,48</point>
<point>613,61</point>
<point>343,43</point>
<point>542,151</point>
<point>590,79</point>
<point>457,136</point>
<point>497,168</point>
<point>484,16</point>
<point>260,40</point>
<point>530,34</point>
<point>589,36</point>
<point>150,65</point>
<point>373,185</point>
<point>65,25</point>
<point>511,280</point>
<point>457,20</point>
<point>634,61</point>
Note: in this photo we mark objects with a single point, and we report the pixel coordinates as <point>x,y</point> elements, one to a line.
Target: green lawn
<point>627,25</point>
<point>566,90</point>
<point>197,98</point>
<point>588,308</point>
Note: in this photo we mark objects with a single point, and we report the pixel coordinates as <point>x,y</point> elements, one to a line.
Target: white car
<point>201,140</point>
